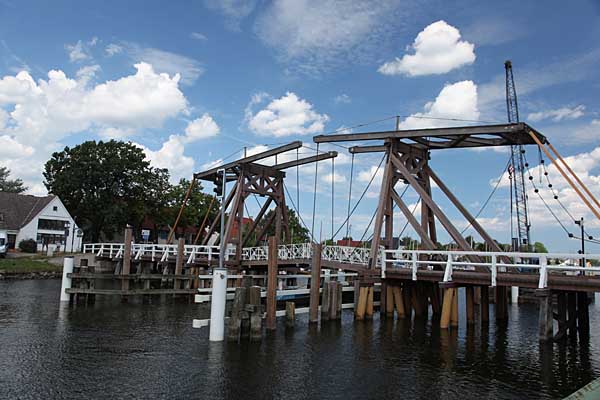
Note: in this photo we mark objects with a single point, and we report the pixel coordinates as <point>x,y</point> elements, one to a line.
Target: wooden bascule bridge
<point>423,282</point>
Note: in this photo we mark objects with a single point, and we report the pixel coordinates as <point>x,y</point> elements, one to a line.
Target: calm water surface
<point>117,351</point>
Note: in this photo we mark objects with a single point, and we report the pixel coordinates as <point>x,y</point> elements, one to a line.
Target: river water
<point>111,350</point>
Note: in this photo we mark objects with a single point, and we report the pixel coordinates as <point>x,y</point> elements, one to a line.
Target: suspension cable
<point>297,213</point>
<point>312,229</point>
<point>349,199</point>
<point>332,195</point>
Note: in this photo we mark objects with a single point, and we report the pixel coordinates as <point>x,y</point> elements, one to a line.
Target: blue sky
<point>195,82</point>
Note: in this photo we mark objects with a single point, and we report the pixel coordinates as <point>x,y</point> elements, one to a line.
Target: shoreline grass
<point>26,266</point>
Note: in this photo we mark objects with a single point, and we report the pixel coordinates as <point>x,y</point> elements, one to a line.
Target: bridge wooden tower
<point>252,177</point>
<point>407,155</point>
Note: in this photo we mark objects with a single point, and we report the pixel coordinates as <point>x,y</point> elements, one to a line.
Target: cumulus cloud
<point>437,50</point>
<point>342,99</point>
<point>557,115</point>
<point>285,116</point>
<point>201,128</point>
<point>456,101</point>
<point>80,51</point>
<point>316,35</point>
<point>41,114</point>
<point>335,177</point>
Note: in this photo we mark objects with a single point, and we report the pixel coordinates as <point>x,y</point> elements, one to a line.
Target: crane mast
<point>517,171</point>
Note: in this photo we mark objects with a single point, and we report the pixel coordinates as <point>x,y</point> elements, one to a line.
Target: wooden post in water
<point>369,310</point>
<point>389,301</point>
<point>290,314</point>
<point>325,302</point>
<point>572,312</point>
<point>315,284</point>
<point>179,262</point>
<point>126,258</point>
<point>361,307</point>
<point>255,313</point>
<point>406,295</point>
<point>272,284</point>
<point>561,310</point>
<point>383,299</point>
<point>447,308</point>
<point>454,313</point>
<point>583,315</point>
<point>235,321</point>
<point>398,301</point>
<point>340,289</point>
<point>470,295</point>
<point>485,305</point>
<point>332,288</point>
<point>545,318</point>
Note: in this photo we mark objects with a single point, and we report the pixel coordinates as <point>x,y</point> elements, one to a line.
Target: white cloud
<point>113,49</point>
<point>438,49</point>
<point>337,178</point>
<point>563,113</point>
<point>287,115</point>
<point>171,156</point>
<point>198,36</point>
<point>78,52</point>
<point>10,148</point>
<point>494,30</point>
<point>457,101</point>
<point>342,99</point>
<point>234,11</point>
<point>42,113</point>
<point>367,175</point>
<point>115,133</point>
<point>164,61</point>
<point>201,128</point>
<point>317,35</point>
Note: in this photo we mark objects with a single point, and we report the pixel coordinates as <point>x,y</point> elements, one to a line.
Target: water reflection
<point>114,350</point>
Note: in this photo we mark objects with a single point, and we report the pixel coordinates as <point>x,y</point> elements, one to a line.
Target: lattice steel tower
<point>517,172</point>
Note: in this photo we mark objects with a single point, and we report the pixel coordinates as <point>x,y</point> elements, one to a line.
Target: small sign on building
<point>145,234</point>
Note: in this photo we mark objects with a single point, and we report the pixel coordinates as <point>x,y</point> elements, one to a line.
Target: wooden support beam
<point>583,315</point>
<point>561,315</point>
<point>265,228</point>
<point>290,314</point>
<point>427,242</point>
<point>384,193</point>
<point>362,303</point>
<point>470,303</point>
<point>398,301</point>
<point>444,220</point>
<point>572,313</point>
<point>454,312</point>
<point>256,221</point>
<point>545,314</point>
<point>447,308</point>
<point>315,283</point>
<point>272,284</point>
<point>369,310</point>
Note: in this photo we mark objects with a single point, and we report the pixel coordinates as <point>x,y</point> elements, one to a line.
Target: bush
<point>28,246</point>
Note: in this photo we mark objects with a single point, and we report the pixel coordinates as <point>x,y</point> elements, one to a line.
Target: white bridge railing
<point>450,261</point>
<point>194,253</point>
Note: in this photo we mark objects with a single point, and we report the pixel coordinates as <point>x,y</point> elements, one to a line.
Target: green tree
<point>298,233</point>
<point>106,185</point>
<point>10,185</point>
<point>538,247</point>
<point>197,205</point>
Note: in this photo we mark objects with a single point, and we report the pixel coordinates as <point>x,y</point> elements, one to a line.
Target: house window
<point>52,224</point>
<point>55,208</point>
<point>48,238</point>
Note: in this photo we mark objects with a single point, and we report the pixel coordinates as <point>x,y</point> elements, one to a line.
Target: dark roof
<point>18,209</point>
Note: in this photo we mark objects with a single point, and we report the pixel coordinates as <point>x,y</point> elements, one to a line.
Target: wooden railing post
<point>179,261</point>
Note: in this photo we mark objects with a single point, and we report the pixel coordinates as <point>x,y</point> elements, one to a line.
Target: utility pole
<point>517,168</point>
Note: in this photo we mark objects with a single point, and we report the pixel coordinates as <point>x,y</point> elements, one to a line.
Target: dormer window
<point>55,208</point>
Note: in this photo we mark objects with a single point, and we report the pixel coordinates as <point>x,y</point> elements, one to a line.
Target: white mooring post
<point>66,281</point>
<point>514,294</point>
<point>217,305</point>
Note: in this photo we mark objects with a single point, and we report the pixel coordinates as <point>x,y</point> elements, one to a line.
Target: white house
<point>44,219</point>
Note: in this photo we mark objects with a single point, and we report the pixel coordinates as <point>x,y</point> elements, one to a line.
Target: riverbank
<point>29,268</point>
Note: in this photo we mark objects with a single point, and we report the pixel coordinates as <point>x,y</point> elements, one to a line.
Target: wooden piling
<point>415,299</point>
<point>369,310</point>
<point>290,314</point>
<point>361,307</point>
<point>340,288</point>
<point>389,301</point>
<point>485,305</point>
<point>332,287</point>
<point>325,302</point>
<point>315,284</point>
<point>561,311</point>
<point>583,316</point>
<point>272,284</point>
<point>406,296</point>
<point>434,295</point>
<point>398,301</point>
<point>255,313</point>
<point>470,296</point>
<point>447,308</point>
<point>454,312</point>
<point>572,313</point>
<point>126,257</point>
<point>545,317</point>
<point>235,321</point>
<point>179,262</point>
